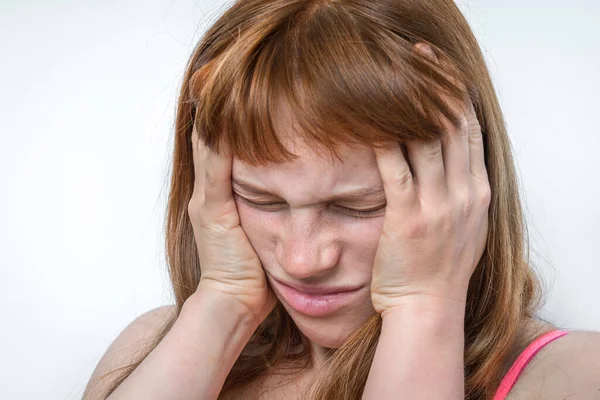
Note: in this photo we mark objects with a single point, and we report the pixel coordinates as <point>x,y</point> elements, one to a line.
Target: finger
<point>397,179</point>
<point>476,149</point>
<point>456,150</point>
<point>455,144</point>
<point>427,160</point>
<point>217,178</point>
<point>199,156</point>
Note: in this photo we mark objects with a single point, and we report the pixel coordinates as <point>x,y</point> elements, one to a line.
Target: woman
<point>344,221</point>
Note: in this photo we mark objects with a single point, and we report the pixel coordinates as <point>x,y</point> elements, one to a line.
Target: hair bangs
<point>344,81</point>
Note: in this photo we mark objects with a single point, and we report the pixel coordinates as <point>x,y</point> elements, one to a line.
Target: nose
<point>307,248</point>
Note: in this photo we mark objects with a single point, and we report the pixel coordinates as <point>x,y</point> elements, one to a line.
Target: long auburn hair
<point>350,72</point>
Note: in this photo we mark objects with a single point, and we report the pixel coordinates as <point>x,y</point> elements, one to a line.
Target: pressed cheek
<point>260,228</point>
<point>362,238</point>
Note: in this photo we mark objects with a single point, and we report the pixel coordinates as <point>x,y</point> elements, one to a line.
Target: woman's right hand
<point>228,263</point>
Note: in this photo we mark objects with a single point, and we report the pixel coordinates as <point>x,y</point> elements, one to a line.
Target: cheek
<point>259,226</point>
<point>362,239</point>
<point>364,232</point>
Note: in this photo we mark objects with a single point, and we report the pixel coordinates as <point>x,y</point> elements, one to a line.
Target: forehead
<point>313,179</point>
<point>313,175</point>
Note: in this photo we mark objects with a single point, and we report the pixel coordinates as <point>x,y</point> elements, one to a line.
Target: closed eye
<point>266,206</point>
<point>373,212</point>
<point>276,206</point>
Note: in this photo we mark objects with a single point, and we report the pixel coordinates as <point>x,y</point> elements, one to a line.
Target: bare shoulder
<point>567,368</point>
<point>126,347</point>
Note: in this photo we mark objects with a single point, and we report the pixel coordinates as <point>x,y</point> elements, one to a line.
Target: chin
<point>331,331</point>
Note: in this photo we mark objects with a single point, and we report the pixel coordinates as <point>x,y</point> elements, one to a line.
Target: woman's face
<point>306,238</point>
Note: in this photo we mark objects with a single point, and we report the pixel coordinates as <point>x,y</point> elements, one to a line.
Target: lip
<point>314,302</point>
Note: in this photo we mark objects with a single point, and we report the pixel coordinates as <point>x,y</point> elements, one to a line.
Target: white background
<point>87,99</point>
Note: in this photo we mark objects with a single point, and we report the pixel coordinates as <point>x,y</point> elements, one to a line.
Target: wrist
<point>442,297</point>
<point>207,299</point>
<point>430,322</point>
<point>422,341</point>
<point>441,308</point>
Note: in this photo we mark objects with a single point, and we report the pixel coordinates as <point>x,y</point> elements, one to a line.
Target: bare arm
<point>419,354</point>
<point>194,358</point>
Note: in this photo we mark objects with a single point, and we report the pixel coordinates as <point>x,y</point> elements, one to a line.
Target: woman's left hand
<point>436,221</point>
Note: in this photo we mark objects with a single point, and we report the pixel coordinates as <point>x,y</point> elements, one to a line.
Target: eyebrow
<point>353,195</point>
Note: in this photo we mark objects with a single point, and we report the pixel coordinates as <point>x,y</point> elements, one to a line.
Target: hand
<point>228,262</point>
<point>436,221</point>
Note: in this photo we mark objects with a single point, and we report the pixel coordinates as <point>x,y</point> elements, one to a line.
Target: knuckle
<point>485,197</point>
<point>463,126</point>
<point>432,150</point>
<point>195,210</point>
<point>192,208</point>
<point>475,135</point>
<point>416,229</point>
<point>403,177</point>
<point>210,180</point>
<point>464,202</point>
<point>466,208</point>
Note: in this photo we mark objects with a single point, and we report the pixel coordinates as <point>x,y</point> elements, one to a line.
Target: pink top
<point>519,365</point>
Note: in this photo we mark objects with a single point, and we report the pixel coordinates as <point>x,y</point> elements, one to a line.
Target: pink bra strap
<point>519,365</point>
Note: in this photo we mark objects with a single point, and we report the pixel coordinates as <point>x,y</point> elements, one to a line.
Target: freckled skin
<point>306,240</point>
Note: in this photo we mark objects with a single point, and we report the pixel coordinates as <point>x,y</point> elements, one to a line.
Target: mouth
<point>315,302</point>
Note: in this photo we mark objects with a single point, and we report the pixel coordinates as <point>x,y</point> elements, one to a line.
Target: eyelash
<point>352,212</point>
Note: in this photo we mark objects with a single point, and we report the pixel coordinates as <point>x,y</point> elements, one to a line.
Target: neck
<point>319,355</point>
